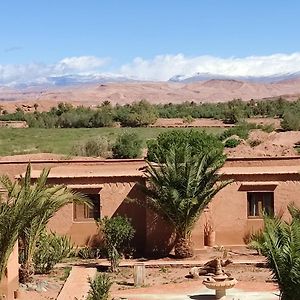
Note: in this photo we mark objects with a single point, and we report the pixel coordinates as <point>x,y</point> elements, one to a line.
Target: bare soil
<point>171,275</point>
<point>54,283</point>
<point>261,143</point>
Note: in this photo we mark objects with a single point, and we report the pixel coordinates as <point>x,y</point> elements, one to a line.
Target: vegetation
<point>180,186</point>
<point>99,287</point>
<point>279,242</point>
<point>290,119</point>
<point>51,199</point>
<point>47,200</point>
<point>138,114</point>
<point>117,232</point>
<point>95,147</point>
<point>231,143</point>
<point>62,140</point>
<point>16,211</point>
<point>142,113</point>
<point>127,145</point>
<point>51,249</point>
<point>197,141</point>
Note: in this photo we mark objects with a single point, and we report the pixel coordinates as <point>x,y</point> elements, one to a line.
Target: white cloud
<point>161,67</point>
<point>39,72</point>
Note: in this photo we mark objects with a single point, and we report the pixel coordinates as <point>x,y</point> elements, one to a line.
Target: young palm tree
<point>279,242</point>
<point>181,188</point>
<point>48,199</point>
<point>15,212</point>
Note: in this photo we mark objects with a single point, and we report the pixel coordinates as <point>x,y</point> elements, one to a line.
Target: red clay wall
<point>228,209</point>
<point>10,283</point>
<point>115,196</point>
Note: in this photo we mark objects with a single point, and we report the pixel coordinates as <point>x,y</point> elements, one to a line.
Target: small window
<point>84,213</point>
<point>259,202</point>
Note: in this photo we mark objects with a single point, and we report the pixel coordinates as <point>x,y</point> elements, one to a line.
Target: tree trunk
<point>183,246</point>
<point>25,273</point>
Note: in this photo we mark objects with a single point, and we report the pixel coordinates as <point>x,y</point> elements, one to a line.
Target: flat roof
<point>90,171</point>
<point>264,170</point>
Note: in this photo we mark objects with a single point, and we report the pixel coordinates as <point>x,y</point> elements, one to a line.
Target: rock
<point>194,272</point>
<point>31,286</point>
<point>23,286</point>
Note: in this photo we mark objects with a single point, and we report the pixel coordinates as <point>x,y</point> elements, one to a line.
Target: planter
<point>210,239</point>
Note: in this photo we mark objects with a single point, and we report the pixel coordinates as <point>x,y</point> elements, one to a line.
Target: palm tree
<point>15,212</point>
<point>279,242</point>
<point>181,188</point>
<point>49,200</point>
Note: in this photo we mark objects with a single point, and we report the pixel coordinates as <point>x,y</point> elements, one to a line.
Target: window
<point>84,213</point>
<point>259,202</point>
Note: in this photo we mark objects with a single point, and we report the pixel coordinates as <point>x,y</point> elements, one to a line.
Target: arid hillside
<point>155,92</point>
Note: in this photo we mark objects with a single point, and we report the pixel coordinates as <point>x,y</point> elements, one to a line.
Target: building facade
<point>268,184</point>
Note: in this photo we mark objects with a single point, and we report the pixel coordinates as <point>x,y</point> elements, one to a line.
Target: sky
<point>152,40</point>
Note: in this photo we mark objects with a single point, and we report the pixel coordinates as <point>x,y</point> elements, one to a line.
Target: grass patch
<point>61,140</point>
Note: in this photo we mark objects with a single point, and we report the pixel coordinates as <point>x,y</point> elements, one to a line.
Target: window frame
<point>86,211</point>
<point>261,203</point>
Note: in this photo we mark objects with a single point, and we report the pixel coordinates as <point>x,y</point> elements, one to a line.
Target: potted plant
<point>209,231</point>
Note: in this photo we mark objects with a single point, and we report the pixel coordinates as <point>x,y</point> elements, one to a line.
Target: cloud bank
<point>159,68</point>
<point>40,73</point>
<point>163,67</point>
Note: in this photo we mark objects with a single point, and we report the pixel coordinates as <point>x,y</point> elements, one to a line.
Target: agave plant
<point>181,187</point>
<point>279,242</point>
<point>39,196</point>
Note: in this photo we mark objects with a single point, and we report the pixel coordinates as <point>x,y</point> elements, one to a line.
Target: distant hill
<point>92,94</point>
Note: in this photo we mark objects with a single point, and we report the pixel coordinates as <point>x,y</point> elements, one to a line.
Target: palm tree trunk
<point>183,245</point>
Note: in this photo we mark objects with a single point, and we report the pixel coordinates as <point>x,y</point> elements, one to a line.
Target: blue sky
<point>45,32</point>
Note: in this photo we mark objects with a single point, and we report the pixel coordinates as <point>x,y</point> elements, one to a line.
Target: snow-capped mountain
<point>208,76</point>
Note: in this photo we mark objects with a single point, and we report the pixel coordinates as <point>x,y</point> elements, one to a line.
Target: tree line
<point>143,113</point>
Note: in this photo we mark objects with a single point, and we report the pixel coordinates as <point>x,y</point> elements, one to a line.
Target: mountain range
<point>92,90</point>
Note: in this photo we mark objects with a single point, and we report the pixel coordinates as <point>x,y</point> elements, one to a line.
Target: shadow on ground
<point>202,297</point>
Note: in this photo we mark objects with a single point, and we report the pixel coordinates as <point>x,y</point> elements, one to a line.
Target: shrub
<point>117,233</point>
<point>94,148</point>
<point>51,249</point>
<point>241,130</point>
<point>197,141</point>
<point>279,242</point>
<point>267,128</point>
<point>87,252</point>
<point>291,120</point>
<point>231,143</point>
<point>139,114</point>
<point>127,145</point>
<point>99,287</point>
<point>254,143</point>
<point>188,119</point>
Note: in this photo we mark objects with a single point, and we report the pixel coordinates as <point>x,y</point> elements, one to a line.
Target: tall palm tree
<point>181,187</point>
<point>49,199</point>
<point>279,242</point>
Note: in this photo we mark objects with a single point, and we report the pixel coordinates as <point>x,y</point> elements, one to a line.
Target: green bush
<point>291,119</point>
<point>99,287</point>
<point>117,233</point>
<point>94,148</point>
<point>127,145</point>
<point>139,114</point>
<point>231,143</point>
<point>267,128</point>
<point>197,141</point>
<point>87,252</point>
<point>51,249</point>
<point>241,130</point>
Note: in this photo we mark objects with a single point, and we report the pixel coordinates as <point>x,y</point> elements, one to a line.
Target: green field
<point>61,140</point>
